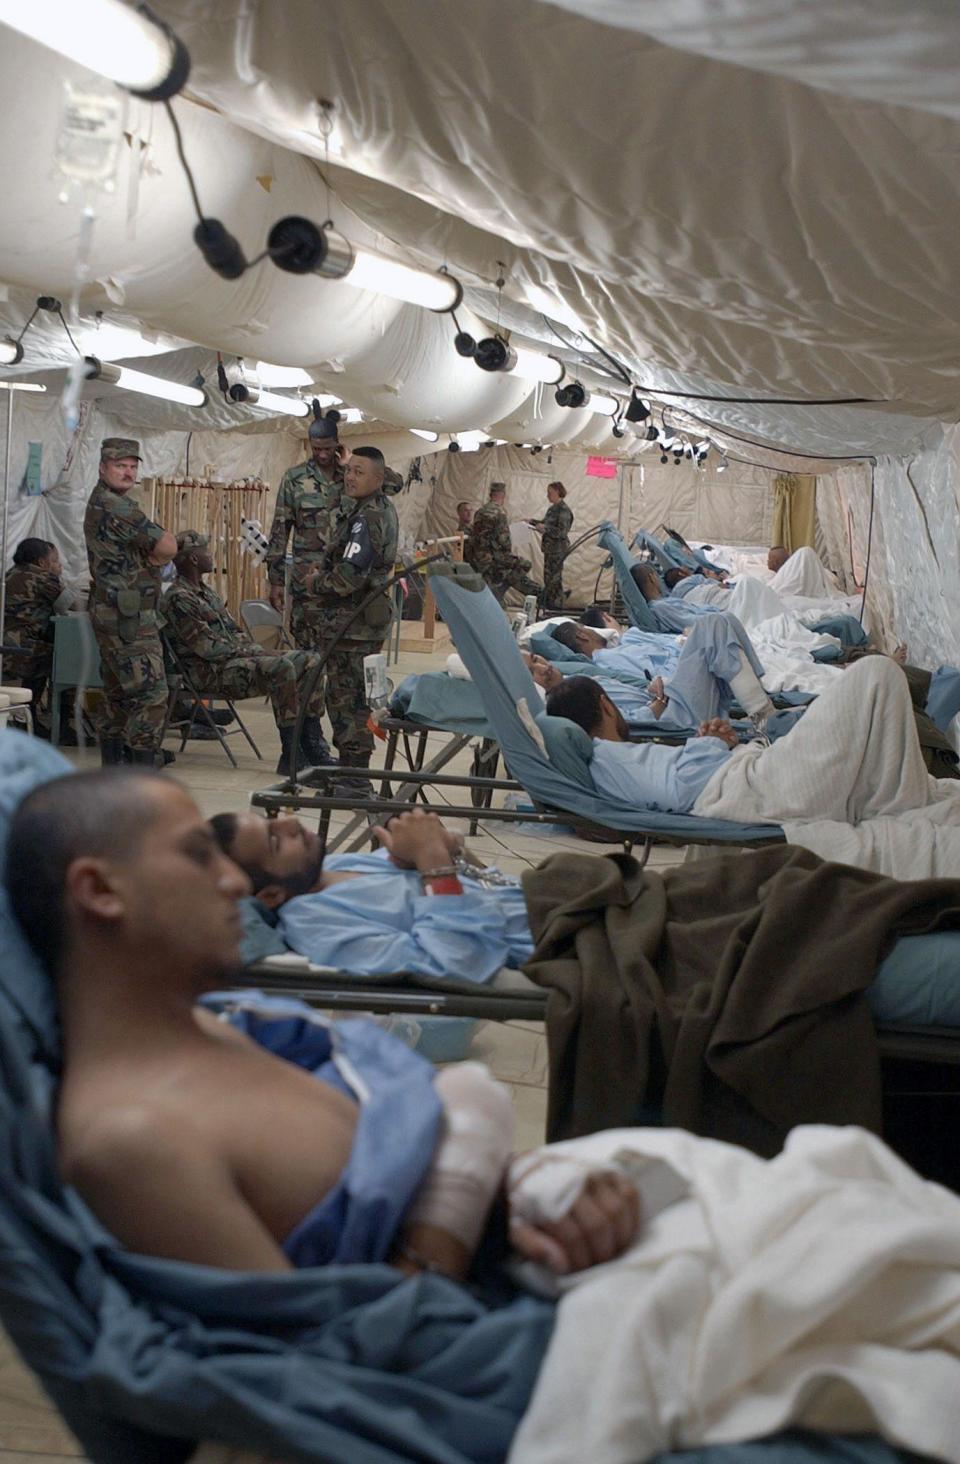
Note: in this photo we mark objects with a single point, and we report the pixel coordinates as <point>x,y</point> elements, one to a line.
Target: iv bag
<point>90,132</point>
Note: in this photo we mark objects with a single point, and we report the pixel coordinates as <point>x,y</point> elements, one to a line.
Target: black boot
<point>150,757</point>
<point>112,752</point>
<point>355,785</point>
<point>314,746</point>
<point>286,747</point>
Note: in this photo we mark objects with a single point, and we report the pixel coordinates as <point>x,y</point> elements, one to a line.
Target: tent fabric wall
<point>794,510</point>
<point>914,584</point>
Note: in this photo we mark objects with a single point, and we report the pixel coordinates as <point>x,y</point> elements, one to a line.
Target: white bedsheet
<point>819,1288</point>
<point>804,574</point>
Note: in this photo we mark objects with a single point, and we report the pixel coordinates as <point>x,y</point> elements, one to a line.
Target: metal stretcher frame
<point>338,991</point>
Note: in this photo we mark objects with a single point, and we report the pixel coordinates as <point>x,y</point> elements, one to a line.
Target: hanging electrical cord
<point>866,567</point>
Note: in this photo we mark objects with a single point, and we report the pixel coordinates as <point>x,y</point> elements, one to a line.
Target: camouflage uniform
<point>557,523</point>
<point>124,595</point>
<point>362,555</point>
<point>308,503</point>
<point>490,552</point>
<point>31,595</point>
<point>222,660</point>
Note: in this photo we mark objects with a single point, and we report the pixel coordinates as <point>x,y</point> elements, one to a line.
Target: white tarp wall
<point>914,585</point>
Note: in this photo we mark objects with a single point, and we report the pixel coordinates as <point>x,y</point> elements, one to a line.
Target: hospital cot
<point>145,1357</point>
<point>546,756</point>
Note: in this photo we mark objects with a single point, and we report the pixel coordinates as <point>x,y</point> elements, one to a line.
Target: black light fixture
<point>496,354</point>
<point>637,410</point>
<point>653,432</point>
<point>571,394</point>
<point>464,344</point>
<point>299,246</point>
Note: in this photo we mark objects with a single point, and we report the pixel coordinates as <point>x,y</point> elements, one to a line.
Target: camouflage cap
<point>112,448</point>
<point>323,427</point>
<point>191,539</point>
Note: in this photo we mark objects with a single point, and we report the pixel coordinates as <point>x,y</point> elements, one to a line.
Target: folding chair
<point>179,683</point>
<point>265,624</point>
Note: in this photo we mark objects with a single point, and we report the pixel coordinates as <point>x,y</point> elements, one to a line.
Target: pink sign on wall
<point>601,467</point>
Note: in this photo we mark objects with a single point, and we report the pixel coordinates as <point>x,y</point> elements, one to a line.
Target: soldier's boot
<point>355,785</point>
<point>286,748</point>
<point>113,752</point>
<point>151,757</point>
<point>314,746</point>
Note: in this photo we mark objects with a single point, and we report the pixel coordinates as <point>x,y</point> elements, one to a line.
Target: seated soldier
<point>168,1119</point>
<point>853,756</point>
<point>489,549</point>
<point>35,593</point>
<point>690,682</point>
<point>223,660</point>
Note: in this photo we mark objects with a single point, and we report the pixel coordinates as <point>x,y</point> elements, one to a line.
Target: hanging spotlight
<point>154,386</point>
<point>425,434</point>
<point>132,47</point>
<point>575,394</point>
<point>700,453</point>
<point>464,344</point>
<point>663,457</point>
<point>653,432</point>
<point>572,394</point>
<point>722,465</point>
<point>637,410</point>
<point>296,245</point>
<point>496,354</point>
<point>11,352</point>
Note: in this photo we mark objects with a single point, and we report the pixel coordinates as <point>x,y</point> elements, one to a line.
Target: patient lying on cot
<point>853,756</point>
<point>690,681</point>
<point>168,1118</point>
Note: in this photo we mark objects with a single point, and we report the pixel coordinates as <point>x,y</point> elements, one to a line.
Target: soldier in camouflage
<point>34,594</point>
<point>308,506</point>
<point>361,557</point>
<point>126,553</point>
<point>554,530</point>
<point>489,551</point>
<point>223,660</point>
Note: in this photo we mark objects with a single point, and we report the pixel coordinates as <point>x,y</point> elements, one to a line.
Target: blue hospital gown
<point>383,923</point>
<point>650,775</point>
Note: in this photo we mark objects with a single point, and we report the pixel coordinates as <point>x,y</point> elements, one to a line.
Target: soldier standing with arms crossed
<point>361,557</point>
<point>126,552</point>
<point>554,530</point>
<point>308,504</point>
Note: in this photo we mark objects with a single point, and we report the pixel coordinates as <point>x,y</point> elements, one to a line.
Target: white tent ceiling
<point>739,199</point>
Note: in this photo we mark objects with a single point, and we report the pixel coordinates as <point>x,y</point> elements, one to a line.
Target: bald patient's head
<point>777,557</point>
<point>117,860</point>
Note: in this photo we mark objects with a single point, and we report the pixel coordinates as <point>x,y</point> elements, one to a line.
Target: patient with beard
<point>188,1140</point>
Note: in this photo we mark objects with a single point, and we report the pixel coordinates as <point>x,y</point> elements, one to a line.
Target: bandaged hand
<point>567,1215</point>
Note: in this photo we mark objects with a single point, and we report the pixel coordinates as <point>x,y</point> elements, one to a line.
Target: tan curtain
<point>794,510</point>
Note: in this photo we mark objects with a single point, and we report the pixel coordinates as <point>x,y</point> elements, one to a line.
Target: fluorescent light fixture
<point>109,342</point>
<point>385,276</point>
<point>115,40</point>
<point>154,386</point>
<point>532,366</point>
<point>297,245</point>
<point>351,414</point>
<point>722,465</point>
<point>10,352</point>
<point>270,375</point>
<point>425,434</point>
<point>21,386</point>
<point>607,406</point>
<point>326,399</point>
<point>284,406</point>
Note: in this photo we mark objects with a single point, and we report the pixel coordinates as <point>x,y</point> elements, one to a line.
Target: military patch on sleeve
<point>358,550</point>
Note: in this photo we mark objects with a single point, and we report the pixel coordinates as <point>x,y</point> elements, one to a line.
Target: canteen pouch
<point>376,617</point>
<point>128,614</point>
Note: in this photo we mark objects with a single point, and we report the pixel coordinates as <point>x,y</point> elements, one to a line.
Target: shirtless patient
<point>185,1138</point>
